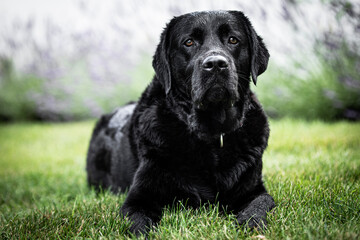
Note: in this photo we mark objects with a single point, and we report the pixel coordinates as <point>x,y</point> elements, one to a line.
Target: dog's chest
<point>212,156</point>
<point>208,178</point>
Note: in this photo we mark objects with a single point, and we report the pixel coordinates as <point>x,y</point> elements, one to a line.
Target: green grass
<point>311,168</point>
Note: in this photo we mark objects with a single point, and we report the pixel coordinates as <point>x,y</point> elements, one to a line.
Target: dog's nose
<point>216,62</point>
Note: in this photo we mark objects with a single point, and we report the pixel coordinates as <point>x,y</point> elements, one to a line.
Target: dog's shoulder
<point>256,122</point>
<point>255,109</point>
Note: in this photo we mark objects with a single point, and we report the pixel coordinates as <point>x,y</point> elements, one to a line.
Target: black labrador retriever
<point>198,133</point>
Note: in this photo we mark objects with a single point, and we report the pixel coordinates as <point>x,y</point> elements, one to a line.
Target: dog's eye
<point>189,43</point>
<point>233,40</point>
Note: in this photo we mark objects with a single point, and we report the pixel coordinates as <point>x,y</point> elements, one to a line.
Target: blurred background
<point>72,60</point>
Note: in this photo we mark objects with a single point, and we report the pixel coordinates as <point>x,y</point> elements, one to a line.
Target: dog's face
<point>207,58</point>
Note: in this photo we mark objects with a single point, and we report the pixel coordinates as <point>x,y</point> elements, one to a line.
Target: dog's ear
<point>259,55</point>
<point>160,62</point>
<point>258,52</point>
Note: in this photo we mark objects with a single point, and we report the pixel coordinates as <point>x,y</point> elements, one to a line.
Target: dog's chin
<point>209,124</point>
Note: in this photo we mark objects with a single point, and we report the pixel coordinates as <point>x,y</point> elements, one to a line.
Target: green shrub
<point>73,96</point>
<point>15,93</point>
<point>316,94</point>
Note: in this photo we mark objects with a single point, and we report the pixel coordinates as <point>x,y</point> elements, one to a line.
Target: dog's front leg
<point>254,214</point>
<point>146,199</point>
<point>142,209</point>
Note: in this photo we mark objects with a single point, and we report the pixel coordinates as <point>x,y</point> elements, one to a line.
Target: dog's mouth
<point>214,99</point>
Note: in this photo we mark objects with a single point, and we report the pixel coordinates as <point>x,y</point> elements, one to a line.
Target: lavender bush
<point>100,57</point>
<point>79,73</point>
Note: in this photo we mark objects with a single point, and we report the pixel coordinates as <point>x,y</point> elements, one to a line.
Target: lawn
<point>312,169</point>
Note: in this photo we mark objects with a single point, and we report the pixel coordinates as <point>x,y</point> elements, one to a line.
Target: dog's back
<point>111,133</point>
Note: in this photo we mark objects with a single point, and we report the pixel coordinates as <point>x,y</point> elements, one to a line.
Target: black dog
<point>197,133</point>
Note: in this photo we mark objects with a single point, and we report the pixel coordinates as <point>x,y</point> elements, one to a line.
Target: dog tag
<point>221,140</point>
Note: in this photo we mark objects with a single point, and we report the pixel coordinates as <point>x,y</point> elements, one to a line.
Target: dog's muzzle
<point>219,92</point>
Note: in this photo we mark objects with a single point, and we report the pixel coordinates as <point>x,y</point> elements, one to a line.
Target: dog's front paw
<point>254,215</point>
<point>251,221</point>
<point>140,223</point>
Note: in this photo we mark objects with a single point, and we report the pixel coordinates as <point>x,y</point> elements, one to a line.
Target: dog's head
<point>207,59</point>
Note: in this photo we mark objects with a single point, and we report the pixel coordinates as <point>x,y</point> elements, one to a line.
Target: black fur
<point>167,145</point>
